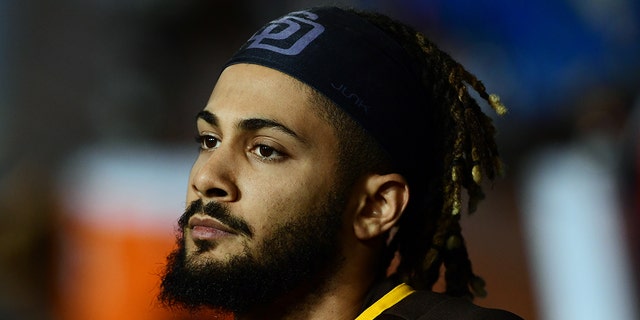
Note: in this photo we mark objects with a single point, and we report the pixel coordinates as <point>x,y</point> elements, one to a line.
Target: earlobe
<point>385,200</point>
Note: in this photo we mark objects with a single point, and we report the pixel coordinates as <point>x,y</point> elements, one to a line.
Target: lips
<point>206,228</point>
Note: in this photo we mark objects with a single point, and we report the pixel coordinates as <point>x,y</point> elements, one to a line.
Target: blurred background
<point>97,106</point>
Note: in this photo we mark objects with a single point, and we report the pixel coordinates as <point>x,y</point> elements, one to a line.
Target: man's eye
<point>265,151</point>
<point>268,153</point>
<point>207,142</point>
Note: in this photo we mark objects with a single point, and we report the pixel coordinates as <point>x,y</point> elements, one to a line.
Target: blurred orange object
<point>120,211</point>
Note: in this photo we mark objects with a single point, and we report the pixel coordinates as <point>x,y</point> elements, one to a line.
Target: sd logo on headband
<point>288,35</point>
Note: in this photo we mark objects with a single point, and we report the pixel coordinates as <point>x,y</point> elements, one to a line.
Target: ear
<point>385,199</point>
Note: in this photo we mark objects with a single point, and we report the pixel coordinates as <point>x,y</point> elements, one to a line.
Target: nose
<point>213,178</point>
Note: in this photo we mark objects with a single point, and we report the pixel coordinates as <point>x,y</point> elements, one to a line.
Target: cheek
<point>279,203</point>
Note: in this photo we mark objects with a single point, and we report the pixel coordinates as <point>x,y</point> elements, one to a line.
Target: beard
<point>304,251</point>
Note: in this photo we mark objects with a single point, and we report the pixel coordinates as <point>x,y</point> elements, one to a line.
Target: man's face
<point>265,214</point>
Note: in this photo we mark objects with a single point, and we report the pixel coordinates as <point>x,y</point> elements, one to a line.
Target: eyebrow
<point>251,124</point>
<point>207,116</point>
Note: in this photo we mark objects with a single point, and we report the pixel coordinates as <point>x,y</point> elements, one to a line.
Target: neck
<point>340,298</point>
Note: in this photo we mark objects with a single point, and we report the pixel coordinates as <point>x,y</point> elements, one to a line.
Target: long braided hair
<point>429,236</point>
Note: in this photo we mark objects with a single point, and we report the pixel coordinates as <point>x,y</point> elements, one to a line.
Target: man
<point>334,148</point>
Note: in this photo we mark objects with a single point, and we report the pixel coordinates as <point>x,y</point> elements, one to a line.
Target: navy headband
<point>356,65</point>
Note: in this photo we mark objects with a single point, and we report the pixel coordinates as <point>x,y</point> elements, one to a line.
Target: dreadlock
<point>429,236</point>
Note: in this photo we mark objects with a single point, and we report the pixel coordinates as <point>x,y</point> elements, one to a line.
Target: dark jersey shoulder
<point>426,305</point>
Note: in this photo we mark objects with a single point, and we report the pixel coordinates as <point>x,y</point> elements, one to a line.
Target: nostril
<point>216,192</point>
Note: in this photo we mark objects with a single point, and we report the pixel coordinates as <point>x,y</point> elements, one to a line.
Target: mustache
<point>217,211</point>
